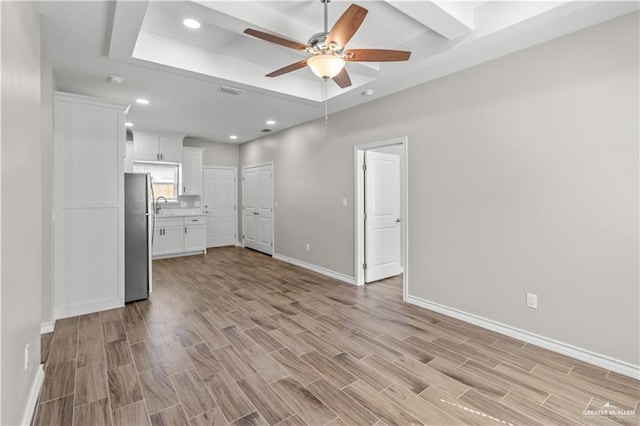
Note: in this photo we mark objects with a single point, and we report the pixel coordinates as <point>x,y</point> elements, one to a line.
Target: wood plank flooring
<point>235,337</point>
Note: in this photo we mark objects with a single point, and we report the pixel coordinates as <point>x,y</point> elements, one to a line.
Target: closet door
<point>257,207</point>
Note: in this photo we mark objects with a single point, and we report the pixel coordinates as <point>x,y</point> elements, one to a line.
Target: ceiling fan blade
<point>347,25</point>
<point>376,55</point>
<point>288,68</point>
<point>275,39</point>
<point>342,79</point>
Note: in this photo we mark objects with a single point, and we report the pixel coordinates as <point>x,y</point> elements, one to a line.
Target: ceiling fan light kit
<point>329,58</point>
<point>326,66</point>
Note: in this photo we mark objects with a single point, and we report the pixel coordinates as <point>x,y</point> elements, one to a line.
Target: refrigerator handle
<point>153,210</point>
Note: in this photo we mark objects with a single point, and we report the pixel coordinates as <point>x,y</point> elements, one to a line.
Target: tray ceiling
<point>181,70</point>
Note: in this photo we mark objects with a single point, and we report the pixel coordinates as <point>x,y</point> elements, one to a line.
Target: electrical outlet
<point>345,203</point>
<point>308,247</point>
<point>26,357</point>
<point>532,301</point>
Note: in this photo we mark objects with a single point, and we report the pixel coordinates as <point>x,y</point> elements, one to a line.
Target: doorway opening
<point>381,211</point>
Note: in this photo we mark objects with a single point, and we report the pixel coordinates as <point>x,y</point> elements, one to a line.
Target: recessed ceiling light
<point>271,122</point>
<point>233,137</point>
<point>142,101</point>
<point>191,23</point>
<point>128,124</point>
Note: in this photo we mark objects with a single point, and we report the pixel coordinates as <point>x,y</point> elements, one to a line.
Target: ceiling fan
<point>327,48</point>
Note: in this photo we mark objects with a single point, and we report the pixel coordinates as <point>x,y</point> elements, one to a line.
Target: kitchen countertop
<point>169,213</point>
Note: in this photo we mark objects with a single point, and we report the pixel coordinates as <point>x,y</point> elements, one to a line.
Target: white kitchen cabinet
<point>172,240</point>
<point>149,147</point>
<point>157,249</point>
<point>171,149</point>
<point>167,238</point>
<point>146,147</point>
<point>195,233</point>
<point>128,159</point>
<point>191,171</point>
<point>89,204</point>
<point>179,236</point>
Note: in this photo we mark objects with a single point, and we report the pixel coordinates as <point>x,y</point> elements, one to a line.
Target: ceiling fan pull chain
<point>326,102</point>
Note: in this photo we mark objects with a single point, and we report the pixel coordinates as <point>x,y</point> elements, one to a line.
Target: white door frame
<point>359,151</point>
<point>235,194</point>
<point>273,193</point>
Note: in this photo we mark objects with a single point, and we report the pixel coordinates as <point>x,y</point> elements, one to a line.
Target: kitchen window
<point>164,178</point>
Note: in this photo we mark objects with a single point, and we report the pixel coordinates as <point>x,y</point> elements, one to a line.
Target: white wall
<point>523,176</point>
<point>216,153</point>
<point>21,206</point>
<point>46,131</point>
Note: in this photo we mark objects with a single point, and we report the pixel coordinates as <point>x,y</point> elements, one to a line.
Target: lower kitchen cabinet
<point>179,236</point>
<point>170,241</point>
<point>195,233</point>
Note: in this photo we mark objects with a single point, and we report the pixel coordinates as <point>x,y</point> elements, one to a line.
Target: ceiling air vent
<point>265,130</point>
<point>230,90</point>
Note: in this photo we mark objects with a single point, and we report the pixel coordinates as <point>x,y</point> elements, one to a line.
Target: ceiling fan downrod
<point>326,15</point>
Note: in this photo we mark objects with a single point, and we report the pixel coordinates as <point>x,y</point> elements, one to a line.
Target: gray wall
<point>523,177</point>
<point>216,153</point>
<point>20,206</point>
<point>47,171</point>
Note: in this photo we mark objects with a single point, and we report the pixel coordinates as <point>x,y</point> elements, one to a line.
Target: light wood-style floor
<point>235,337</point>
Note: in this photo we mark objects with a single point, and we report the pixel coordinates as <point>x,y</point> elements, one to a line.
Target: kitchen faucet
<point>156,206</point>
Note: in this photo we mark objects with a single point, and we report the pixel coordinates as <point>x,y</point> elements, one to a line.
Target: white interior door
<point>382,208</point>
<point>249,207</point>
<point>220,206</point>
<point>257,213</point>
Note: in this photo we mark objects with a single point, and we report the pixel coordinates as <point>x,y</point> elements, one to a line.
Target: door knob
<point>398,220</point>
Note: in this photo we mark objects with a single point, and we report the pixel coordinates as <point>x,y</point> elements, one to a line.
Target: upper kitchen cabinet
<point>89,204</point>
<point>191,171</point>
<point>149,147</point>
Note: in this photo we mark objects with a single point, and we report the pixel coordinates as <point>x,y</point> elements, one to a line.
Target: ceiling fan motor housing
<point>318,44</point>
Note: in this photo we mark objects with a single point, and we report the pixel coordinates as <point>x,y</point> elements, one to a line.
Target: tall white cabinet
<point>191,171</point>
<point>89,204</point>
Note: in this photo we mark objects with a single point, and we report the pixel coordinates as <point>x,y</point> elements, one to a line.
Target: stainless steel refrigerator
<point>138,224</point>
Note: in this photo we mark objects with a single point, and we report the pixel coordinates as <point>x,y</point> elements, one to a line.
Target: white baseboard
<point>47,327</point>
<point>338,276</point>
<point>88,307</point>
<point>240,244</point>
<point>33,397</point>
<point>585,355</point>
<point>183,254</point>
